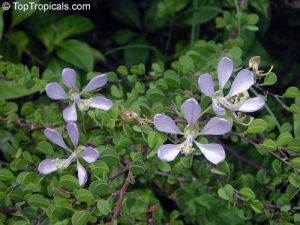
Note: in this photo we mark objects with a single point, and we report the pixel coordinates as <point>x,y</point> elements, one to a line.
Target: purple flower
<point>192,111</point>
<point>55,91</point>
<point>89,154</point>
<point>237,98</point>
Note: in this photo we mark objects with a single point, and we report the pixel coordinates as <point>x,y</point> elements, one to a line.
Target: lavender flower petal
<point>165,124</point>
<point>216,126</point>
<point>191,111</point>
<point>252,104</point>
<point>69,160</point>
<point>224,71</point>
<point>206,85</point>
<point>90,154</point>
<point>47,166</point>
<point>69,78</point>
<point>82,174</point>
<point>243,81</point>
<point>217,108</point>
<point>95,83</point>
<point>168,152</point>
<point>55,91</point>
<point>213,152</point>
<point>73,133</point>
<point>70,114</point>
<point>101,103</point>
<point>55,137</point>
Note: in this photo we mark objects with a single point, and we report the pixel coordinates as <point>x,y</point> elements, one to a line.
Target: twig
<point>21,123</point>
<point>119,173</point>
<point>149,214</point>
<point>268,109</point>
<point>276,97</point>
<point>241,158</point>
<point>122,194</point>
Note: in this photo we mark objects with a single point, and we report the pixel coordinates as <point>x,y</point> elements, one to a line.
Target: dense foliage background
<point>153,53</point>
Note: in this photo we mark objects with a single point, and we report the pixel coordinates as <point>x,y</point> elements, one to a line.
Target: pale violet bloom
<point>89,154</point>
<point>55,91</point>
<point>191,111</point>
<point>237,98</point>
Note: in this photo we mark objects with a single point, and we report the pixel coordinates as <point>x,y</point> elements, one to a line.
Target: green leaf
<point>45,147</point>
<point>76,53</point>
<point>172,78</point>
<point>216,171</point>
<point>38,201</point>
<point>251,28</point>
<point>257,126</point>
<point>291,92</point>
<point>294,179</point>
<point>296,162</point>
<point>99,188</point>
<point>296,218</point>
<point>284,139</point>
<point>268,145</point>
<point>155,95</point>
<point>105,206</point>
<point>116,91</point>
<point>110,157</point>
<point>80,218</point>
<point>84,195</point>
<point>20,40</point>
<point>257,206</point>
<point>294,145</point>
<point>226,192</point>
<point>6,175</point>
<point>72,25</point>
<point>163,166</point>
<point>270,79</point>
<point>297,124</point>
<point>252,18</point>
<point>19,15</point>
<point>122,70</point>
<point>187,64</point>
<point>99,167</point>
<point>25,178</point>
<point>138,167</point>
<point>12,89</point>
<point>199,15</point>
<point>127,12</point>
<point>69,182</point>
<point>154,140</point>
<point>247,193</point>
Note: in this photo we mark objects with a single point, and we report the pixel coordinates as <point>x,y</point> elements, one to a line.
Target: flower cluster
<point>237,99</point>
<point>89,154</point>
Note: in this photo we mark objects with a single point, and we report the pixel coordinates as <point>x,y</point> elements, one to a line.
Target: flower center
<point>239,99</point>
<point>78,151</point>
<point>189,133</point>
<point>85,105</point>
<point>73,95</point>
<point>233,102</point>
<point>187,146</point>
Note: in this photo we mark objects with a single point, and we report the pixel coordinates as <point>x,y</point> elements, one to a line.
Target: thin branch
<point>119,173</point>
<point>122,194</point>
<point>22,123</point>
<point>238,156</point>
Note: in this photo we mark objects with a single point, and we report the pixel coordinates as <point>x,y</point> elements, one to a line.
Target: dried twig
<point>122,194</point>
<point>22,123</point>
<point>119,173</point>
